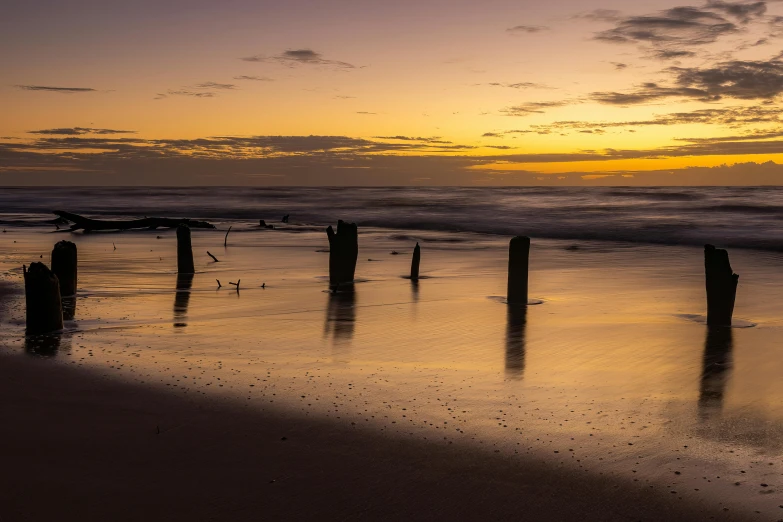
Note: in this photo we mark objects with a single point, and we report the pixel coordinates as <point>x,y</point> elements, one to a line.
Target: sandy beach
<point>608,401</point>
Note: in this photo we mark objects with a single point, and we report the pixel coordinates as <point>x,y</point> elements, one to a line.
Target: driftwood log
<point>415,263</point>
<point>343,253</point>
<point>89,225</point>
<point>184,251</point>
<point>518,257</point>
<point>721,286</point>
<point>64,266</point>
<point>44,312</point>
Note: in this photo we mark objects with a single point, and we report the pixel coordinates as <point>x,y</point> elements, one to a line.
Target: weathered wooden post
<point>184,251</point>
<point>721,286</point>
<point>518,256</point>
<point>64,267</point>
<point>343,253</point>
<point>44,312</point>
<point>415,263</point>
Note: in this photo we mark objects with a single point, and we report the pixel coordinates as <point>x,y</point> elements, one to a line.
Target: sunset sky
<point>341,92</point>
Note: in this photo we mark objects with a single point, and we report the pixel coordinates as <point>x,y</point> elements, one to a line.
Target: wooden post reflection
<point>182,299</point>
<point>340,321</point>
<point>716,369</point>
<point>516,323</point>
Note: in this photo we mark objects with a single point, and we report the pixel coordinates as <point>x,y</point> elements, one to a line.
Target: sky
<point>426,92</point>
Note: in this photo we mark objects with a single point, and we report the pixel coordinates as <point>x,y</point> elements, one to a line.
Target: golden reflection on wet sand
<point>603,376</point>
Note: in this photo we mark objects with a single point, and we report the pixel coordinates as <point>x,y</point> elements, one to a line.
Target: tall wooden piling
<point>415,263</point>
<point>721,283</point>
<point>184,251</point>
<point>44,312</point>
<point>343,253</point>
<point>518,257</point>
<point>64,266</point>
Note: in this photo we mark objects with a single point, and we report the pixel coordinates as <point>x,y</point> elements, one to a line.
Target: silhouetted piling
<point>43,301</point>
<point>721,286</point>
<point>64,267</point>
<point>343,253</point>
<point>518,255</point>
<point>184,251</point>
<point>415,263</point>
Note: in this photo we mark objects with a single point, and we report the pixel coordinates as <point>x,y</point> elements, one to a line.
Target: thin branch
<point>225,241</point>
<point>213,257</point>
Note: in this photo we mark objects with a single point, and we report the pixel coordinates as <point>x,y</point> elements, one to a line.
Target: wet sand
<point>78,447</point>
<point>606,402</point>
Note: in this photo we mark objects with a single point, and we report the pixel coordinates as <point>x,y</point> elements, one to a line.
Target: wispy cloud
<point>528,108</point>
<point>517,85</point>
<point>526,29</point>
<point>79,131</point>
<point>215,85</point>
<point>254,78</point>
<point>672,33</point>
<point>63,90</point>
<point>297,57</point>
<point>186,92</point>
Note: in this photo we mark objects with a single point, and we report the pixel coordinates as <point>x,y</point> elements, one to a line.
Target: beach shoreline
<point>604,389</point>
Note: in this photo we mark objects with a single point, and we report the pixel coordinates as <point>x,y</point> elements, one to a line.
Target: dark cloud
<point>526,29</point>
<point>492,135</point>
<point>731,117</point>
<point>744,12</point>
<point>747,80</point>
<point>306,160</point>
<point>434,139</point>
<point>295,57</point>
<point>254,78</point>
<point>744,80</point>
<point>682,26</point>
<point>79,131</point>
<point>671,54</point>
<point>367,113</point>
<point>214,85</point>
<point>649,92</point>
<point>63,90</point>
<point>619,66</point>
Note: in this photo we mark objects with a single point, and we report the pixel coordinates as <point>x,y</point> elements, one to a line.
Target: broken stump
<point>64,267</point>
<point>44,312</point>
<point>518,257</point>
<point>184,251</point>
<point>343,253</point>
<point>721,283</point>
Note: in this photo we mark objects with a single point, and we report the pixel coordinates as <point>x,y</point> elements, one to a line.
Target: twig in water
<point>115,246</point>
<point>225,240</point>
<point>213,257</point>
<point>235,284</point>
<point>219,285</point>
<point>263,285</point>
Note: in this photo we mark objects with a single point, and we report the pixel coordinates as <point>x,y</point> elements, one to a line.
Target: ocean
<point>733,217</point>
